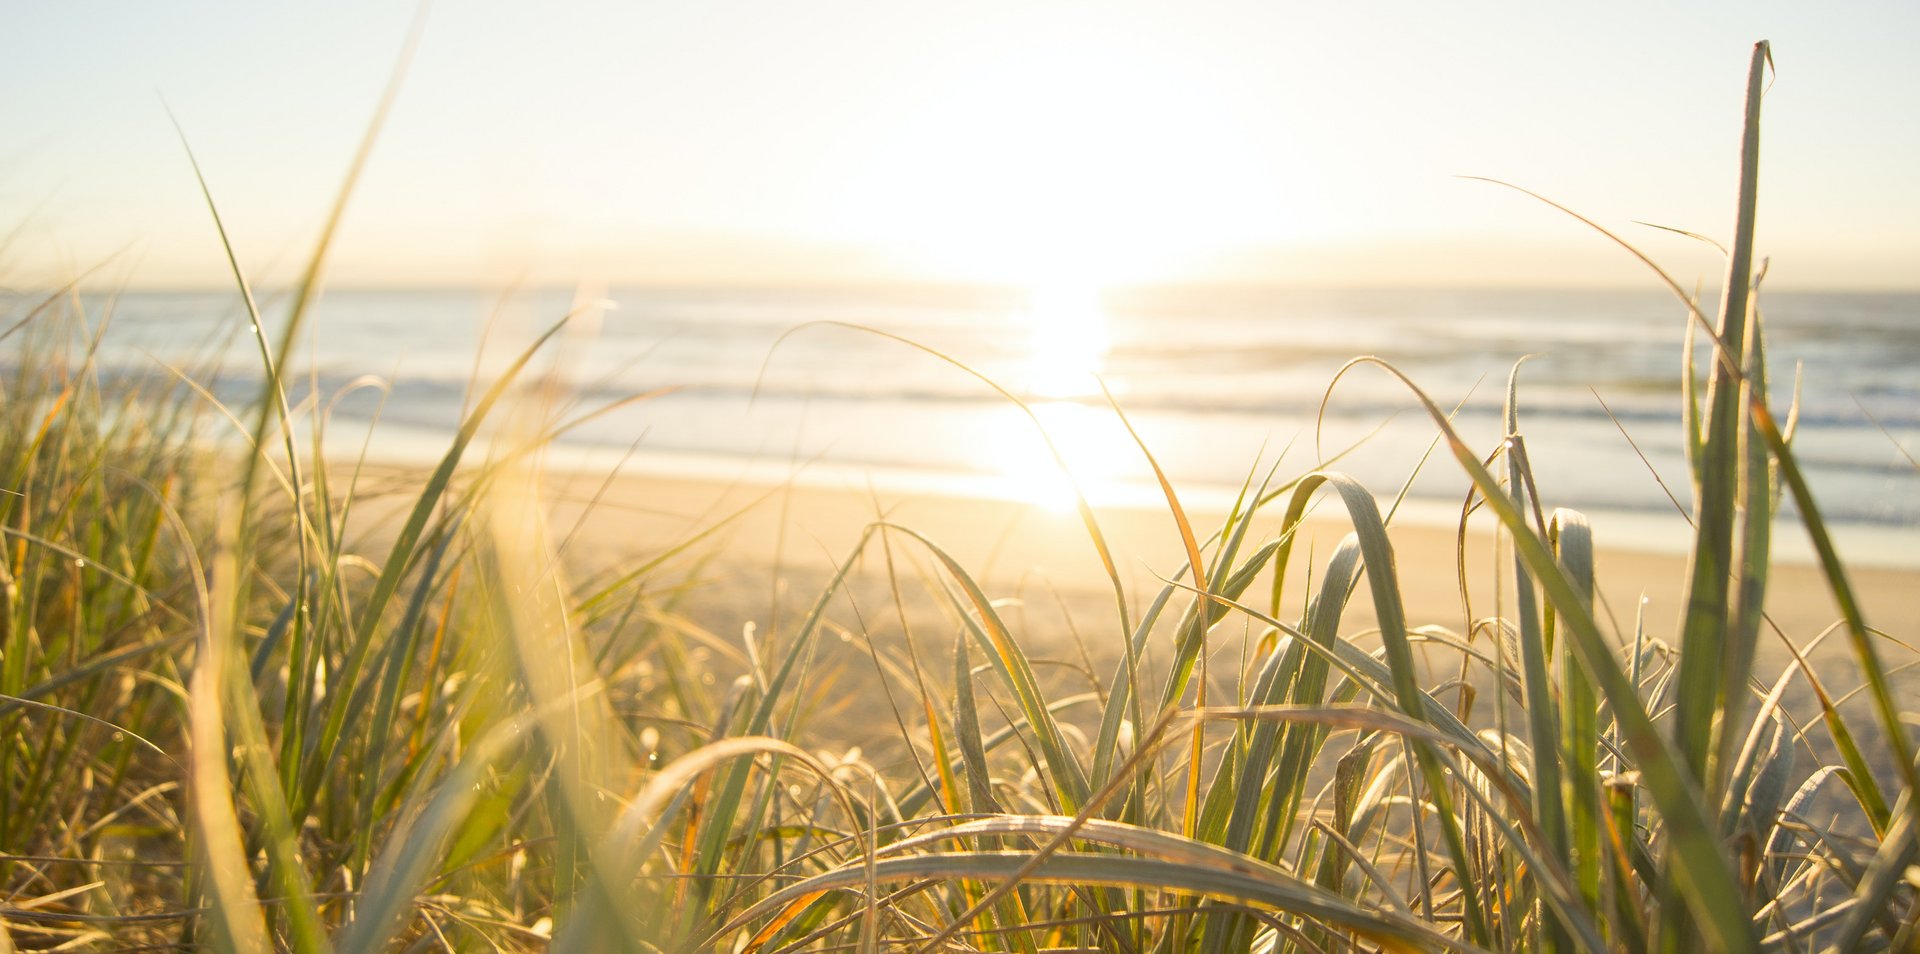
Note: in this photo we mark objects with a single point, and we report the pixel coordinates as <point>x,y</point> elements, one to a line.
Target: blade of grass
<point>1701,874</point>
<point>1085,509</point>
<point>1543,715</point>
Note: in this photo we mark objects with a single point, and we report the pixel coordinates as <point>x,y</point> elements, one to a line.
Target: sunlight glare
<point>1068,340</point>
<point>1090,439</point>
<point>1045,166</point>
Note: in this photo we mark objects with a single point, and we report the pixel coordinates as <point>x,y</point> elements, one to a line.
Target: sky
<point>1036,142</point>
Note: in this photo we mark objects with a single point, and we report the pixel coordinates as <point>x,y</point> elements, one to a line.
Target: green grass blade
<point>234,908</point>
<point>1701,873</point>
<point>400,560</point>
<point>1197,565</point>
<point>1700,697</point>
<point>1063,767</point>
<point>1543,716</point>
<point>1377,556</point>
<point>1572,540</point>
<point>412,853</point>
<point>966,721</point>
<point>1873,899</point>
<point>723,812</point>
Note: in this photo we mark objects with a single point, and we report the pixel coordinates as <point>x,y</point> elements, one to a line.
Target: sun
<point>1090,157</point>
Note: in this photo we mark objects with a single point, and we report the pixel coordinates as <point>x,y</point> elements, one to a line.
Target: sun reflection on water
<point>1090,440</point>
<point>1068,340</point>
<point>1060,379</point>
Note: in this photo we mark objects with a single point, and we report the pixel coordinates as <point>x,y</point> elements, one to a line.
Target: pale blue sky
<point>1036,141</point>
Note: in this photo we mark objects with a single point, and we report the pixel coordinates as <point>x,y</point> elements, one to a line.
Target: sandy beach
<point>800,530</point>
<point>770,559</point>
<point>760,554</point>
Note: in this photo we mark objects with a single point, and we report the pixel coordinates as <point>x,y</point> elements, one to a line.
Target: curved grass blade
<point>1377,557</point>
<point>1571,537</point>
<point>1085,509</point>
<point>1865,785</point>
<point>400,559</point>
<point>397,874</point>
<point>1543,716</point>
<point>1272,888</point>
<point>1197,565</point>
<point>1701,871</point>
<point>1434,726</point>
<point>1010,661</point>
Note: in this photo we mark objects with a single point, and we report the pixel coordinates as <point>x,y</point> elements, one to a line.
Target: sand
<point>1013,547</point>
<point>758,555</point>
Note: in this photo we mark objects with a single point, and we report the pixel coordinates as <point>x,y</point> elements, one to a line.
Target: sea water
<point>916,388</point>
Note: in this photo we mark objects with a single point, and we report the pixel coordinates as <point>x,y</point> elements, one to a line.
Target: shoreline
<point>772,561</point>
<point>782,534</point>
<point>1862,546</point>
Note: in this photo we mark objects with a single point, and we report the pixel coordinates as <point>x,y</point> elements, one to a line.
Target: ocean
<point>1227,387</point>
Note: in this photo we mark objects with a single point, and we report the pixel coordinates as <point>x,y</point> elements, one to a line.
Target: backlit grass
<point>246,704</point>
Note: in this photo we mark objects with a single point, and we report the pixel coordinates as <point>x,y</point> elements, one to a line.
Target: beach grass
<point>248,703</point>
